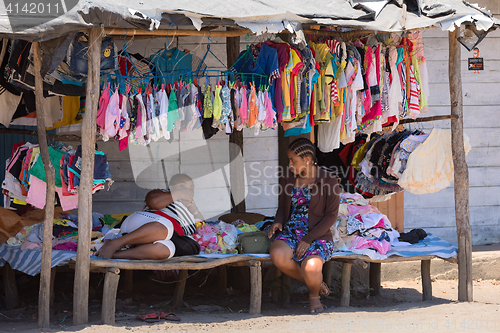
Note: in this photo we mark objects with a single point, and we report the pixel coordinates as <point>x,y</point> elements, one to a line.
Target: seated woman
<point>308,207</point>
<point>164,225</point>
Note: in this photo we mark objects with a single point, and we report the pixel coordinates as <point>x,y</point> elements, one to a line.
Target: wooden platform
<point>183,264</point>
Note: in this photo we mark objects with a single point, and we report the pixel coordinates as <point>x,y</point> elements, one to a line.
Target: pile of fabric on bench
<point>361,228</point>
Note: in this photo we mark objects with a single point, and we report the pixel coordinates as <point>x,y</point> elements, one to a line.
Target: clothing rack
<point>187,75</point>
<point>427,119</point>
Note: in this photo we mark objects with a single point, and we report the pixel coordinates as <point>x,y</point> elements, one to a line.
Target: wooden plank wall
<point>435,212</point>
<point>137,170</point>
<point>394,209</point>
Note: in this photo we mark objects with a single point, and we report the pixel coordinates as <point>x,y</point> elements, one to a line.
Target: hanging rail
<point>174,32</point>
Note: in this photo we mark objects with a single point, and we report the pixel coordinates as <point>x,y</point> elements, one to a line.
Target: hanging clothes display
<point>429,168</point>
<point>25,179</point>
<point>414,161</point>
<point>344,87</point>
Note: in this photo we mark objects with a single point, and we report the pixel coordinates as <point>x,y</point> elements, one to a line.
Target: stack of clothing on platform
<point>361,228</point>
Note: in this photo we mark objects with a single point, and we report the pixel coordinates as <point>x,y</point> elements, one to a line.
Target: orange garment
<point>253,110</point>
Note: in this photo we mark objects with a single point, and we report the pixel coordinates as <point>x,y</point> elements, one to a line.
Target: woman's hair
<point>303,147</point>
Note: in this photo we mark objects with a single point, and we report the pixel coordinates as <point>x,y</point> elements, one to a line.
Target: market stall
<point>132,19</point>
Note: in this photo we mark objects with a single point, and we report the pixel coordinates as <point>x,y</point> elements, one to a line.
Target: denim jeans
<point>79,59</point>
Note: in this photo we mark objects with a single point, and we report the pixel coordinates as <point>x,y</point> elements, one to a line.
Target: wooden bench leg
<point>10,285</point>
<point>345,290</point>
<point>111,280</point>
<point>53,272</point>
<point>180,285</point>
<point>222,279</point>
<point>255,287</point>
<point>286,289</point>
<point>425,270</point>
<point>277,291</point>
<point>128,282</point>
<point>327,272</point>
<point>375,273</point>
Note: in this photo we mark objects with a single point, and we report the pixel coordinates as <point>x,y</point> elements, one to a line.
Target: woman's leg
<point>146,234</point>
<point>282,257</point>
<point>311,268</point>
<point>156,251</point>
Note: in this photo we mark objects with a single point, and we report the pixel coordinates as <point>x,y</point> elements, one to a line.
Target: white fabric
<point>8,104</point>
<point>430,166</point>
<point>13,185</point>
<point>138,219</point>
<point>329,135</point>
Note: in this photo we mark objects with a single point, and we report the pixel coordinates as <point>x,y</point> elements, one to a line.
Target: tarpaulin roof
<point>45,20</point>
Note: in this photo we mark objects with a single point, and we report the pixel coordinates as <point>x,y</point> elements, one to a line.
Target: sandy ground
<point>398,309</point>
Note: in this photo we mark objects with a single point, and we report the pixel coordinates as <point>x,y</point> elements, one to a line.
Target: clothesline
<point>188,75</point>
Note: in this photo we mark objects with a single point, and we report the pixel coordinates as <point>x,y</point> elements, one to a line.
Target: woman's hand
<point>301,249</point>
<point>273,228</point>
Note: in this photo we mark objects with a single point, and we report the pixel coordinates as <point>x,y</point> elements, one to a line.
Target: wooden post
<point>236,172</point>
<point>180,285</point>
<point>82,275</point>
<point>111,280</point>
<point>10,287</point>
<point>461,176</point>
<point>255,287</point>
<point>44,292</point>
<point>375,276</point>
<point>345,287</point>
<point>425,271</point>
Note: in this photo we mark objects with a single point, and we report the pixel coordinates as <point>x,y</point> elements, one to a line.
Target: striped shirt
<point>181,214</point>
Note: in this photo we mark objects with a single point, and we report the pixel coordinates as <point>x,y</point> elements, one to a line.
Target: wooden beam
<point>44,292</point>
<point>236,170</point>
<point>175,32</point>
<point>81,285</point>
<point>63,137</point>
<point>427,119</point>
<point>335,33</point>
<point>461,171</point>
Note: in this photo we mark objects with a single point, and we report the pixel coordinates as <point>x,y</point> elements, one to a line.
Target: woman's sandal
<point>324,290</point>
<point>317,308</point>
<point>169,316</point>
<point>149,318</point>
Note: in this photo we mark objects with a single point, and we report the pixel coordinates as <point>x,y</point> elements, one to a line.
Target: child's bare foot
<point>108,249</point>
